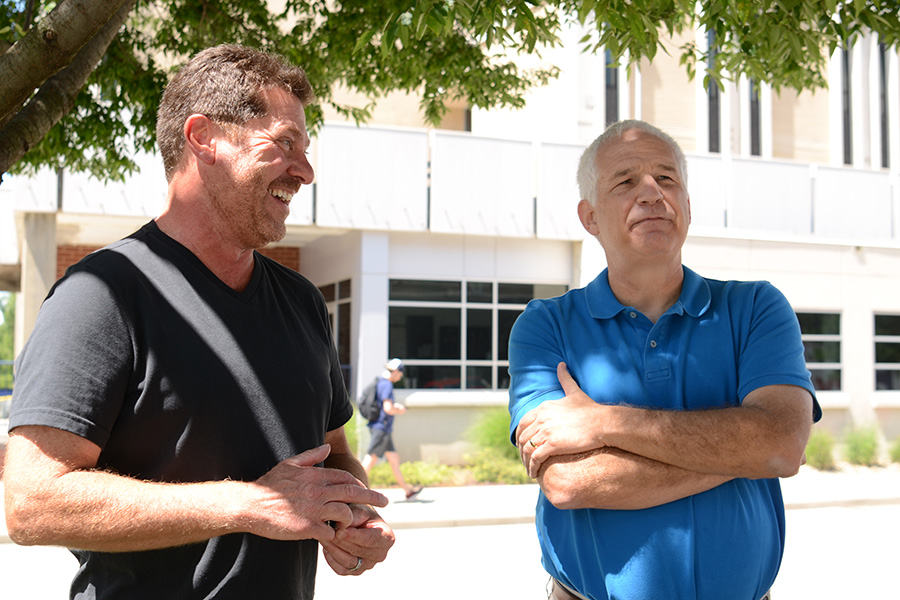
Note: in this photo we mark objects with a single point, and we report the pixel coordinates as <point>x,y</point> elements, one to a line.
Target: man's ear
<point>200,138</point>
<point>588,217</point>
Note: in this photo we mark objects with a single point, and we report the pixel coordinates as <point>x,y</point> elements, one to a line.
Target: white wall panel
<point>707,185</point>
<point>771,196</point>
<point>558,197</point>
<point>482,186</point>
<point>142,194</point>
<point>854,204</point>
<point>370,178</point>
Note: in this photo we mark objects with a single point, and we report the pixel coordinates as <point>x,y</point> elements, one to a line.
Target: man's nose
<point>649,191</point>
<point>302,169</point>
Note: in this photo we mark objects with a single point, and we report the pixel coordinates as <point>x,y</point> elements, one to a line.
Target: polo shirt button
<point>653,343</point>
<point>632,314</point>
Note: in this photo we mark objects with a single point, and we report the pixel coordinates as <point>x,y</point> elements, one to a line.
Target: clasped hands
<point>559,427</point>
<point>302,501</point>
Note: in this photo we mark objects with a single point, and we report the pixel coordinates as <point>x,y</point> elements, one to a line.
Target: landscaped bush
<point>415,473</point>
<point>820,450</point>
<point>861,447</point>
<point>491,430</point>
<point>895,451</point>
<point>496,460</point>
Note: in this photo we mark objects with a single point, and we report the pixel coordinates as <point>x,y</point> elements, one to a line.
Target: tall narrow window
<point>612,90</point>
<point>337,300</point>
<point>755,133</point>
<point>846,107</point>
<point>713,96</point>
<point>887,352</point>
<point>883,93</point>
<point>821,335</point>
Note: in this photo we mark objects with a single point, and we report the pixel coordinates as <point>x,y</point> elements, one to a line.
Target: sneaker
<point>413,492</point>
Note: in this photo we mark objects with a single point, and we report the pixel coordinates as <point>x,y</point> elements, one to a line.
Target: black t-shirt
<point>177,377</point>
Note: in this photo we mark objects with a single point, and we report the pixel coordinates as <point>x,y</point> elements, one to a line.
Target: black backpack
<point>369,406</point>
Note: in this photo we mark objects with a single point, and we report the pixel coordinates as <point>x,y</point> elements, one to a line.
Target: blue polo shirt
<point>720,341</point>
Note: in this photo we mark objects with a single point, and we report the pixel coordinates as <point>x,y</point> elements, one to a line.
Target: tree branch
<point>48,47</point>
<point>57,96</point>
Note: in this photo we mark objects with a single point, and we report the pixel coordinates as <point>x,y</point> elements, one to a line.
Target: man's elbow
<point>561,490</point>
<point>20,522</point>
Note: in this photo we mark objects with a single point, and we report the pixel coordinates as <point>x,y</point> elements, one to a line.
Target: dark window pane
<point>826,379</point>
<point>505,320</point>
<point>478,378</point>
<point>887,380</point>
<point>522,293</point>
<point>424,333</point>
<point>887,324</point>
<point>503,377</point>
<point>432,377</point>
<point>479,291</point>
<point>328,292</point>
<point>819,323</point>
<point>886,352</point>
<point>425,291</point>
<point>344,289</point>
<point>819,352</point>
<point>479,337</point>
<point>343,335</point>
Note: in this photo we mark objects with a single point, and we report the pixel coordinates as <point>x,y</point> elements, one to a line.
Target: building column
<point>38,258</point>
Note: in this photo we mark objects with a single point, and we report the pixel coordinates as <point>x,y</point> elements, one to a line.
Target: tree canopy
<point>82,79</point>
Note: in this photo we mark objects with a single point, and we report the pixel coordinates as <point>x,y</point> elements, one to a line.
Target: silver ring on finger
<point>358,565</point>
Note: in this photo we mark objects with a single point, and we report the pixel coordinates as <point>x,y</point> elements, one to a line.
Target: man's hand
<point>557,427</point>
<point>361,545</point>
<point>299,500</point>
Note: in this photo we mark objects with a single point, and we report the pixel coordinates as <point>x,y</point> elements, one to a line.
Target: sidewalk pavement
<point>510,504</point>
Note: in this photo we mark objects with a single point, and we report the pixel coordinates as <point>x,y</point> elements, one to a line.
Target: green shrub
<point>415,473</point>
<point>491,430</point>
<point>490,465</point>
<point>895,451</point>
<point>820,450</point>
<point>352,438</point>
<point>861,447</point>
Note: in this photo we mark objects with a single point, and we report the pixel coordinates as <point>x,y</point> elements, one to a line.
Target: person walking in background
<point>381,444</point>
<point>178,418</point>
<point>657,408</point>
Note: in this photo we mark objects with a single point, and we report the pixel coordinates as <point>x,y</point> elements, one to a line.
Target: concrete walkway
<point>511,504</point>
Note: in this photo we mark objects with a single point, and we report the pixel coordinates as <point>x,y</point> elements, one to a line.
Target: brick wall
<point>67,256</point>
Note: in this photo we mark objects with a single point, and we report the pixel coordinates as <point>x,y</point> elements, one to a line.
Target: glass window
<point>424,333</point>
<point>821,335</point>
<point>612,90</point>
<point>480,291</point>
<point>337,300</point>
<point>448,341</point>
<point>425,291</point>
<point>887,352</point>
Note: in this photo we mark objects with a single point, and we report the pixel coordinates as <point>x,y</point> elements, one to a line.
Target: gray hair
<point>589,170</point>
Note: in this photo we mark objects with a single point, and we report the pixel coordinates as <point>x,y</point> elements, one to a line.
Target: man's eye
<point>287,143</point>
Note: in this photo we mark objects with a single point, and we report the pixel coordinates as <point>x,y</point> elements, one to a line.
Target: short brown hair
<point>225,83</point>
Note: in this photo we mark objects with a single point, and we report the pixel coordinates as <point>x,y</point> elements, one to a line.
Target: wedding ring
<point>531,441</point>
<point>358,565</point>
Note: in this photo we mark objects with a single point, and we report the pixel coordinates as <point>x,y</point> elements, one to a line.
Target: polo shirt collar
<point>694,299</point>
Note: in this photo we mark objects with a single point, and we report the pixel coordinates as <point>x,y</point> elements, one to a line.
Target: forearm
<point>613,479</point>
<point>100,511</point>
<point>755,440</point>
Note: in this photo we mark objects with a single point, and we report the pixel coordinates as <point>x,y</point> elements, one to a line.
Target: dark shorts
<point>380,443</point>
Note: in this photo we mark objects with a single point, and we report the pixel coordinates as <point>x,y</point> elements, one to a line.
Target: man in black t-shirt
<point>179,408</point>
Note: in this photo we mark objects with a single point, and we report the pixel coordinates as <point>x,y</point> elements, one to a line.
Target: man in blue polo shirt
<point>656,408</point>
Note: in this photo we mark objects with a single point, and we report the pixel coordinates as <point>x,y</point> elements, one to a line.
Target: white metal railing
<point>450,182</point>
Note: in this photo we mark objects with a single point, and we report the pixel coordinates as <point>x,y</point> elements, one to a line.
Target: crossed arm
<point>590,455</point>
<point>55,496</point>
